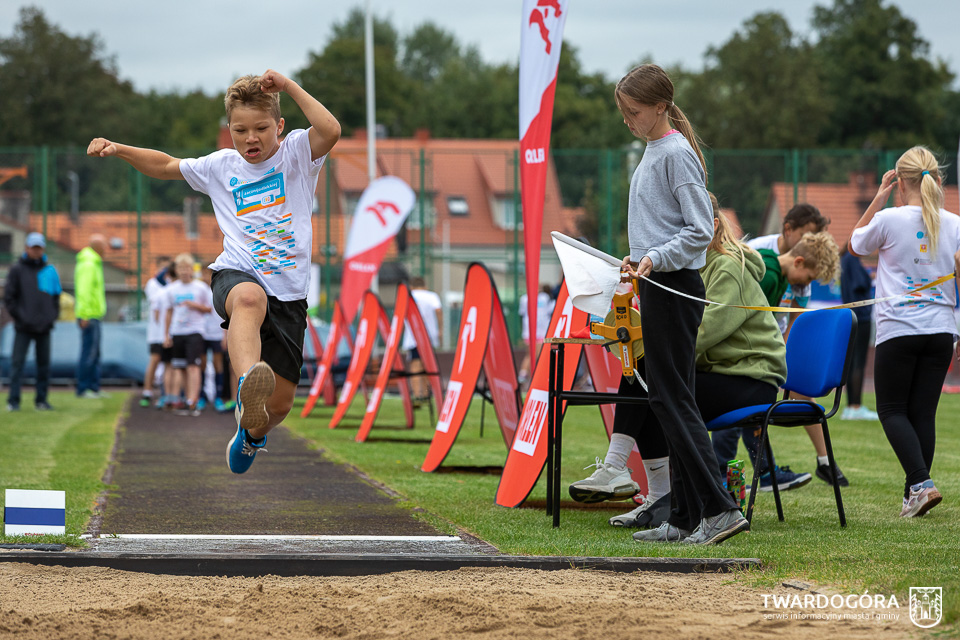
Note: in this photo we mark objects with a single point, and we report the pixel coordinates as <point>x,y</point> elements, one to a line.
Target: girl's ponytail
<point>919,166</point>
<point>683,125</point>
<point>724,237</point>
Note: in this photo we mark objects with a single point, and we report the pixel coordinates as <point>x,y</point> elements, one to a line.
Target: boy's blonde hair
<point>649,84</point>
<point>920,168</point>
<point>820,254</point>
<point>184,258</point>
<point>245,92</point>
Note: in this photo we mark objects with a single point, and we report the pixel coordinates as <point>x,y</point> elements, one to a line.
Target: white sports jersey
<point>263,211</point>
<point>185,320</point>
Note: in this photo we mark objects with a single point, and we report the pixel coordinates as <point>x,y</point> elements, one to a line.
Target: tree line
<point>863,78</point>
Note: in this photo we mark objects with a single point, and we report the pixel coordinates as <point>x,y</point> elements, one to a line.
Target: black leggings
<point>908,375</point>
<point>670,333</point>
<point>716,395</point>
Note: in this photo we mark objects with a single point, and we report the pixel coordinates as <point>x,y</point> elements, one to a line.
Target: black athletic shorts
<point>165,353</point>
<point>283,328</point>
<point>187,350</point>
<point>213,345</point>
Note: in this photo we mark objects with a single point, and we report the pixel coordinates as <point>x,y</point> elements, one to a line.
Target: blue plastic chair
<point>819,349</point>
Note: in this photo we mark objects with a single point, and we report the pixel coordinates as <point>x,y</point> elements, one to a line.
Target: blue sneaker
<point>786,479</point>
<point>219,406</point>
<point>253,390</point>
<point>202,403</point>
<point>241,450</point>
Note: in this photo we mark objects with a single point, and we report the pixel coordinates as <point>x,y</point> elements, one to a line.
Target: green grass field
<point>877,551</point>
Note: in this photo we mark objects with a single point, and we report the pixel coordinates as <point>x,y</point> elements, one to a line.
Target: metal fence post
<point>423,235</point>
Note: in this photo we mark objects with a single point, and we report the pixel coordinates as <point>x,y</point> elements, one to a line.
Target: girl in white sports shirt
<point>917,242</point>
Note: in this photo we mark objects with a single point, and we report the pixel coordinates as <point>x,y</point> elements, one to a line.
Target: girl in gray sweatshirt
<point>670,225</point>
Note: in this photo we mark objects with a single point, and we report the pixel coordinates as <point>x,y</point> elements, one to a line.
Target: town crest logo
<point>926,606</point>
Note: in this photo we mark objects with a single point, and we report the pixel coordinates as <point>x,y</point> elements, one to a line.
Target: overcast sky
<point>183,45</point>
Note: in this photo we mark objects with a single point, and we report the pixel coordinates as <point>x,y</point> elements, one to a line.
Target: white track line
<point>187,536</point>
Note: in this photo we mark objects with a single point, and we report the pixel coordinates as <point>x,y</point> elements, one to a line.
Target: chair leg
<point>775,484</point>
<point>762,450</point>
<point>833,470</point>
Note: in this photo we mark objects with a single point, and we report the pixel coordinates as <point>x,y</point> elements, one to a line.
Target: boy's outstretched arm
<point>325,130</point>
<point>149,162</point>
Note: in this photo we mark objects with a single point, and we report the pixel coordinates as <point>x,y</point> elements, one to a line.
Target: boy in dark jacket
<point>32,296</point>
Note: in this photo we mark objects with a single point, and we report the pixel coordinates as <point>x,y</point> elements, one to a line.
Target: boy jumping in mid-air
<point>262,193</point>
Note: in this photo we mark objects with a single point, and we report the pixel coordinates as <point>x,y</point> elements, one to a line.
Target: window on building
<point>457,206</point>
<point>506,211</point>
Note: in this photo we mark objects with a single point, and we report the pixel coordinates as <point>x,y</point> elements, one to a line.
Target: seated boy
<point>262,193</point>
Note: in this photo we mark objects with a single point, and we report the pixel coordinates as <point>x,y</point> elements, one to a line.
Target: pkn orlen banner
<point>383,207</point>
<point>540,42</point>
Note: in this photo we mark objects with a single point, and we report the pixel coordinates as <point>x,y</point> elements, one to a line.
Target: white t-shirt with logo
<point>906,262</point>
<point>263,211</point>
<point>156,308</point>
<point>185,320</point>
<point>428,303</point>
<point>545,306</point>
<point>800,294</point>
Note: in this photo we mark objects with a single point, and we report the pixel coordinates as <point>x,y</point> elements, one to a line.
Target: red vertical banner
<point>540,42</point>
<point>528,453</point>
<point>467,361</point>
<point>383,207</point>
<point>323,379</point>
<point>363,347</point>
<point>389,363</point>
<point>606,372</point>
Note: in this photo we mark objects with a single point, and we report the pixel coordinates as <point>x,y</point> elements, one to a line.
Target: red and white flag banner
<point>528,453</point>
<point>383,207</point>
<point>363,348</point>
<point>323,380</point>
<point>483,343</point>
<point>387,365</point>
<point>606,372</point>
<point>540,42</point>
<point>500,370</point>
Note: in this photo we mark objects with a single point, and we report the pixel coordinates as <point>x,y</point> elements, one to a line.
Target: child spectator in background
<point>214,339</point>
<point>800,220</point>
<point>188,303</point>
<point>856,285</point>
<point>153,294</point>
<point>430,308</point>
<point>918,242</point>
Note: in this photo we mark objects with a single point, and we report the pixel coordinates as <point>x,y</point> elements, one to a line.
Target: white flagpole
<point>371,107</point>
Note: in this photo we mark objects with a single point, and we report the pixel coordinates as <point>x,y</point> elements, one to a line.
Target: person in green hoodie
<point>740,361</point>
<point>90,307</point>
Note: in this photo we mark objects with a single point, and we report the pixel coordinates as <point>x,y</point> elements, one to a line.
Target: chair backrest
<point>818,351</point>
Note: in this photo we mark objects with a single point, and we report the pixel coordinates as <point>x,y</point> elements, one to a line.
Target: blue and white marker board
<point>33,512</point>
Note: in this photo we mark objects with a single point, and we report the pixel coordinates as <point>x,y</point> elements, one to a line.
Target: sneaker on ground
<point>253,390</point>
<point>13,407</point>
<point>718,528</point>
<point>605,483</point>
<point>648,515</point>
<point>202,404</point>
<point>162,400</point>
<point>921,500</point>
<point>43,405</point>
<point>218,405</point>
<point>666,532</point>
<point>868,414</point>
<point>786,479</point>
<point>824,473</point>
<point>241,450</point>
<point>144,401</point>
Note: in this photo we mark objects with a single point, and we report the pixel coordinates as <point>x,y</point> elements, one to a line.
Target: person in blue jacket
<point>32,297</point>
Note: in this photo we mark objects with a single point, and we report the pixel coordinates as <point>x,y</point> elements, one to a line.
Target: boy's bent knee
<point>246,296</point>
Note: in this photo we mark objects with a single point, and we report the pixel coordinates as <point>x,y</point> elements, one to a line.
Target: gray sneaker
<point>605,483</point>
<point>666,532</point>
<point>718,528</point>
